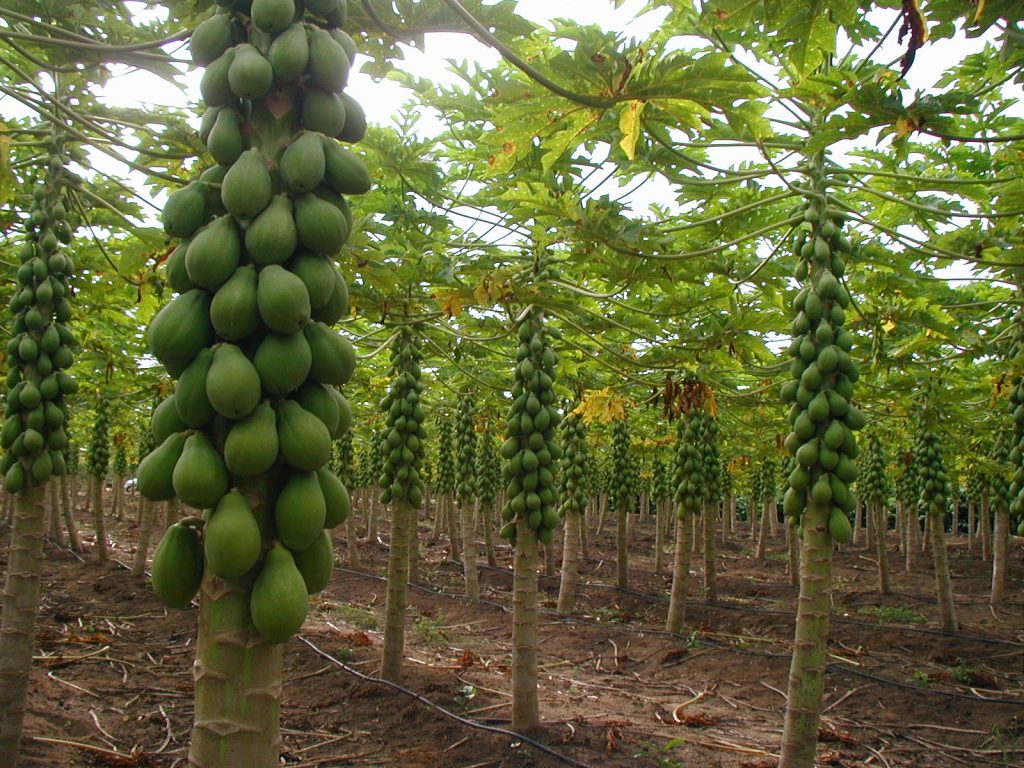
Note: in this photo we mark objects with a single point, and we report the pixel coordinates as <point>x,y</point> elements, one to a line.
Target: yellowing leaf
<point>904,125</point>
<point>980,10</point>
<point>890,326</point>
<point>630,126</point>
<point>602,405</point>
<point>451,303</point>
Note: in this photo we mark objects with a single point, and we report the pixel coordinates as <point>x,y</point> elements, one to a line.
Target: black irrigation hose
<point>835,667</point>
<point>445,712</point>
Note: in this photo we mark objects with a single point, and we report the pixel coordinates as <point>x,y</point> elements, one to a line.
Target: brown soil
<point>112,684</point>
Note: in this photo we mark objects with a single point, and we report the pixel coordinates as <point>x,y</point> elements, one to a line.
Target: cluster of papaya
<point>1016,457</point>
<point>465,449</point>
<point>762,482</point>
<point>341,459</point>
<point>247,434</point>
<point>120,457</point>
<point>404,438</point>
<point>623,472</point>
<point>822,373</point>
<point>530,450</point>
<point>934,488</point>
<point>34,433</point>
<point>661,480</point>
<point>572,475</point>
<point>873,484</point>
<point>98,452</point>
<point>488,470</point>
<point>1000,475</point>
<point>696,462</point>
<point>445,457</point>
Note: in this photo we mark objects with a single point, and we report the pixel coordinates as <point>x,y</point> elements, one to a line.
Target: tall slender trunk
<point>96,502</point>
<point>68,513</point>
<point>398,577</point>
<point>172,511</point>
<point>659,535</point>
<point>762,537</point>
<point>414,546</point>
<point>955,530</point>
<point>621,547</point>
<point>927,538</point>
<point>858,523</point>
<point>18,621</point>
<point>710,552</point>
<point>900,526</point>
<point>118,503</point>
<point>9,508</point>
<point>487,523</point>
<point>793,540</point>
<point>585,518</point>
<point>1000,553</point>
<point>570,563</point>
<point>696,534</point>
<point>773,520</point>
<point>53,514</point>
<point>680,577</point>
<point>525,706</point>
<point>985,524</point>
<point>753,509</point>
<point>943,582</point>
<point>469,568</point>
<point>453,536</point>
<point>732,513</point>
<point>971,523</point>
<point>371,515</point>
<point>876,513</point>
<point>810,646</point>
<point>913,532</point>
<point>435,531</point>
<point>352,542</point>
<point>602,512</point>
<point>550,568</point>
<point>145,532</point>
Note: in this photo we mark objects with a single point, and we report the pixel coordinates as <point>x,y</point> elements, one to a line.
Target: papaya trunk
<point>621,547</point>
<point>550,568</point>
<point>877,515</point>
<point>762,536</point>
<point>900,526</point>
<point>753,510</point>
<point>145,532</point>
<point>371,516</point>
<point>659,536</point>
<point>955,530</point>
<point>810,647</point>
<point>18,623</point>
<point>172,511</point>
<point>943,583</point>
<point>53,514</point>
<point>453,536</point>
<point>602,512</point>
<point>985,524</point>
<point>710,553</point>
<point>118,503</point>
<point>435,531</point>
<point>585,518</point>
<point>414,546</point>
<point>1000,552</point>
<point>971,523</point>
<point>913,532</point>
<point>858,524</point>
<point>696,533</point>
<point>793,539</point>
<point>773,522</point>
<point>352,542</point>
<point>68,513</point>
<point>398,575</point>
<point>96,502</point>
<point>469,568</point>
<point>237,684</point>
<point>680,577</point>
<point>570,563</point>
<point>525,706</point>
<point>487,522</point>
<point>927,538</point>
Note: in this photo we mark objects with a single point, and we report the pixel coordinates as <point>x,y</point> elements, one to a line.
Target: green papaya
<point>355,121</point>
<point>246,189</point>
<point>839,526</point>
<point>278,602</point>
<point>206,122</point>
<point>14,478</point>
<point>211,39</point>
<point>210,181</point>
<point>165,420</point>
<point>334,360</point>
<point>324,8</point>
<point>214,253</point>
<point>271,237</point>
<point>302,164</point>
<point>316,563</point>
<point>283,362</point>
<point>304,441</point>
<point>233,310</point>
<point>232,384</point>
<point>344,413</point>
<point>250,75</point>
<point>328,61</point>
<point>184,212</point>
<point>251,446</point>
<point>321,226</point>
<point>318,400</point>
<point>345,173</point>
<point>317,273</point>
<point>272,16</point>
<point>177,275</point>
<point>214,87</point>
<point>282,299</point>
<point>232,539</point>
<point>337,305</point>
<point>323,112</point>
<point>200,477</point>
<point>345,41</point>
<point>177,566</point>
<point>337,502</point>
<point>156,470</point>
<point>180,330</point>
<point>190,398</point>
<point>299,511</point>
<point>289,54</point>
<point>224,141</point>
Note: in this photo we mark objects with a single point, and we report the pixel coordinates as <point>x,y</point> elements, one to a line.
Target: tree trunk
<point>352,540</point>
<point>371,515</point>
<point>971,523</point>
<point>659,536</point>
<point>752,509</point>
<point>955,530</point>
<point>793,540</point>
<point>96,502</point>
<point>68,513</point>
<point>172,511</point>
<point>18,621</point>
<point>487,523</point>
<point>762,537</point>
<point>145,531</point>
<point>453,536</point>
<point>680,577</point>
<point>926,539</point>
<point>913,532</point>
<point>858,523</point>
<point>985,524</point>
<point>710,553</point>
<point>773,520</point>
<point>876,514</point>
<point>118,503</point>
<point>810,647</point>
<point>584,533</point>
<point>570,563</point>
<point>696,534</point>
<point>622,548</point>
<point>53,514</point>
<point>550,568</point>
<point>1000,553</point>
<point>469,568</point>
<point>900,525</point>
<point>398,577</point>
<point>525,707</point>
<point>602,512</point>
<point>943,583</point>
<point>414,546</point>
<point>435,531</point>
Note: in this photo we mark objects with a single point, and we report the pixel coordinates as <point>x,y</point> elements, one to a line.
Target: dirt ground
<point>112,683</point>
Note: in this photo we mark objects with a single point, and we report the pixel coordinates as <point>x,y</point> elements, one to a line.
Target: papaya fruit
<point>337,305</point>
<point>355,121</point>
<point>321,226</point>
<point>282,362</point>
<point>177,566</point>
<point>232,541</point>
<point>272,16</point>
<point>177,275</point>
<point>211,38</point>
<point>338,503</point>
<point>271,237</point>
<point>299,511</point>
<point>303,440</point>
<point>232,384</point>
<point>246,189</point>
<point>180,329</point>
<point>839,526</point>
<point>200,477</point>
<point>250,75</point>
<point>344,39</point>
<point>344,413</point>
<point>210,182</point>
<point>207,121</point>
<point>233,312</point>
<point>214,87</point>
<point>224,140</point>
<point>156,470</point>
<point>289,54</point>
<point>214,253</point>
<point>324,8</point>
<point>302,164</point>
<point>251,446</point>
<point>316,563</point>
<point>328,61</point>
<point>344,172</point>
<point>282,299</point>
<point>184,212</point>
<point>165,420</point>
<point>190,399</point>
<point>333,359</point>
<point>318,400</point>
<point>323,112</point>
<point>278,602</point>
<point>317,273</point>
<point>15,478</point>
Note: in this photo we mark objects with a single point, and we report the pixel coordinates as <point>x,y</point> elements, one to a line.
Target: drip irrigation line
<point>442,711</point>
<point>846,668</point>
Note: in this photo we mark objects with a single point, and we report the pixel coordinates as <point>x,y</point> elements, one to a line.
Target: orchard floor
<point>112,682</point>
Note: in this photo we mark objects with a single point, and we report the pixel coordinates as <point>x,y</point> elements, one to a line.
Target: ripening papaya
<point>232,539</point>
<point>180,330</point>
<point>232,384</point>
<point>321,226</point>
<point>156,470</point>
<point>318,400</point>
<point>278,602</point>
<point>200,477</point>
<point>283,362</point>
<point>183,213</point>
<point>250,75</point>
<point>344,39</point>
<point>165,420</point>
<point>271,237</point>
<point>289,54</point>
<point>251,446</point>
<point>302,164</point>
<point>344,413</point>
<point>338,503</point>
<point>211,39</point>
<point>299,511</point>
<point>839,526</point>
<point>323,112</point>
<point>333,359</point>
<point>224,141</point>
<point>177,275</point>
<point>282,299</point>
<point>272,16</point>
<point>247,189</point>
<point>14,479</point>
<point>214,253</point>
<point>328,61</point>
<point>316,563</point>
<point>304,441</point>
<point>317,273</point>
<point>177,566</point>
<point>190,399</point>
<point>214,87</point>
<point>344,172</point>
<point>233,310</point>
